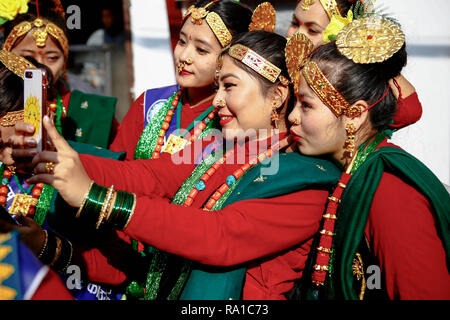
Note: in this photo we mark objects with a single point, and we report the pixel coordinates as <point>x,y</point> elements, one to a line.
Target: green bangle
<point>94,202</point>
<point>122,210</point>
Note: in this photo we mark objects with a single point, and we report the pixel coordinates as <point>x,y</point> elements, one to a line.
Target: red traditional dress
<point>273,234</point>
<point>402,234</point>
<point>142,112</point>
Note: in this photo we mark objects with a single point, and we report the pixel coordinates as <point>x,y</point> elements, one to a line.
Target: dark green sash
<point>296,172</point>
<point>357,200</point>
<point>89,118</point>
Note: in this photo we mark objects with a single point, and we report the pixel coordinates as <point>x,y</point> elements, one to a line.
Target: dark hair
<point>268,45</point>
<point>367,82</point>
<point>11,91</point>
<point>235,16</point>
<point>344,6</point>
<point>11,88</point>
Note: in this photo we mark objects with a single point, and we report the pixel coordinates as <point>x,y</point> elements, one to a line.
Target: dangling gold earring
<point>349,145</point>
<point>275,117</point>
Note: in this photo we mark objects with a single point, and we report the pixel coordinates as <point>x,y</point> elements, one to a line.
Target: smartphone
<point>35,103</point>
<point>5,216</point>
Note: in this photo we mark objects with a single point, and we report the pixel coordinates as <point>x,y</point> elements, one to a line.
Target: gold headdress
<point>370,40</point>
<point>263,18</point>
<point>298,49</point>
<point>18,65</point>
<point>366,40</point>
<point>256,62</point>
<point>213,20</point>
<point>330,6</point>
<point>40,34</point>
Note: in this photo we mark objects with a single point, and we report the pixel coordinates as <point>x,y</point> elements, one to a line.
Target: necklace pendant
<point>22,203</point>
<point>174,144</point>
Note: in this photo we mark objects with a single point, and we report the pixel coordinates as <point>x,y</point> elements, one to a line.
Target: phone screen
<point>35,103</point>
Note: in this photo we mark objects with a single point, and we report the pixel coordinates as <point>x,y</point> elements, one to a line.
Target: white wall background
<point>427,28</point>
<point>152,51</point>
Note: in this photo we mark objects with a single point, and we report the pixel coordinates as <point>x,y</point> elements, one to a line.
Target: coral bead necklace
<point>24,203</point>
<point>176,143</point>
<point>230,180</point>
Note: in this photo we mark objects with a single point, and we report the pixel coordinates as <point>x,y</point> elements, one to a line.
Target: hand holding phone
<point>35,104</point>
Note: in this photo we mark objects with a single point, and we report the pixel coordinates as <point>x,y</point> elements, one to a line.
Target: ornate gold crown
<point>298,49</point>
<point>370,40</point>
<point>43,29</point>
<point>366,40</point>
<point>213,20</point>
<point>256,62</point>
<point>263,18</point>
<point>330,6</point>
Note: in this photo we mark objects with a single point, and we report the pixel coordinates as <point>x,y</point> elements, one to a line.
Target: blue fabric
<point>155,99</point>
<point>25,266</point>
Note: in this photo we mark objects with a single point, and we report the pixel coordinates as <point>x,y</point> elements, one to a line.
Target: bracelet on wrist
<point>84,200</point>
<point>44,246</point>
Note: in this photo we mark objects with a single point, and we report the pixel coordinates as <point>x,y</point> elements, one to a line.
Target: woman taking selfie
<point>261,220</point>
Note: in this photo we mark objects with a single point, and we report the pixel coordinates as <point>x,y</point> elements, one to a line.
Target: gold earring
<point>349,145</point>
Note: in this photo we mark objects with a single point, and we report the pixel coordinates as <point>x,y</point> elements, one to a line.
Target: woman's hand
<point>61,169</point>
<point>24,147</point>
<point>30,232</point>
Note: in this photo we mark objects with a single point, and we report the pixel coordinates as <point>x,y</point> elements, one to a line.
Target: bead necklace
<point>24,203</point>
<point>165,126</point>
<point>325,252</point>
<point>230,180</point>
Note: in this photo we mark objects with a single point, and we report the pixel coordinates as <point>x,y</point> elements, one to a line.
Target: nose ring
<point>296,121</point>
<point>221,103</point>
<point>180,66</point>
<point>188,60</point>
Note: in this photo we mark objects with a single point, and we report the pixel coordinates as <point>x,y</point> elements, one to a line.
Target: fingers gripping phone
<point>35,104</point>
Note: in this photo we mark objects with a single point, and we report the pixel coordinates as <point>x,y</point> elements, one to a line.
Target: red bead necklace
<point>20,206</point>
<point>231,179</point>
<point>165,126</point>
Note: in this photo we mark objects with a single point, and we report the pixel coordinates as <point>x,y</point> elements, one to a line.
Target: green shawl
<point>89,118</point>
<point>357,200</point>
<point>296,172</point>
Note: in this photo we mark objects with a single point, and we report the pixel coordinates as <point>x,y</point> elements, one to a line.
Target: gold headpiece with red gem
<point>366,40</point>
<point>263,18</point>
<point>298,49</point>
<point>42,29</point>
<point>330,6</point>
<point>256,62</point>
<point>213,20</point>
